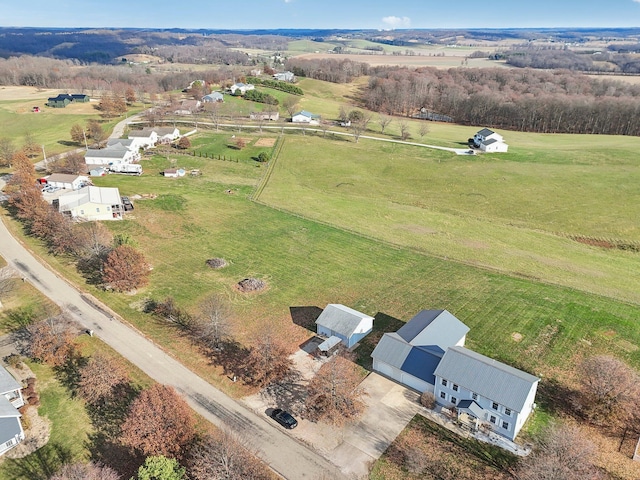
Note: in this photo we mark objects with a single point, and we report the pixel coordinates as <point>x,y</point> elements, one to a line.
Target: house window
<point>505,425</point>
<point>81,212</point>
<point>455,387</point>
<point>443,395</point>
<point>444,382</point>
<point>474,396</point>
<point>98,209</point>
<point>507,411</point>
<point>494,405</point>
<point>454,400</point>
<point>492,419</point>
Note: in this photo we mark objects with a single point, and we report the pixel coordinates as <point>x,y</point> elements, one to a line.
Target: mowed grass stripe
<point>470,209</point>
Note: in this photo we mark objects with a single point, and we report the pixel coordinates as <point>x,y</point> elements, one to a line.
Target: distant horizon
<point>326,15</point>
<point>318,29</point>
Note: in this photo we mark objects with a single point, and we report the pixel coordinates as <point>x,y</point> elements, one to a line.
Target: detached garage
<point>349,325</point>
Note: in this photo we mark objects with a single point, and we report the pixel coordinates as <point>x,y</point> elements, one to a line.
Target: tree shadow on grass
<point>17,318</point>
<point>557,399</point>
<point>231,356</point>
<point>40,465</point>
<point>68,374</point>
<point>305,316</point>
<point>107,417</point>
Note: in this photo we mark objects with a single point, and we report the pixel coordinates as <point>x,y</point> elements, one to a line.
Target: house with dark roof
<point>61,101</point>
<point>485,391</point>
<point>11,432</point>
<point>489,141</point>
<point>344,324</point>
<point>411,355</point>
<point>213,97</point>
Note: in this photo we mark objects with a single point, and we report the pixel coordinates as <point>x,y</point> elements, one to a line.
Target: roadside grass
<point>495,211</point>
<point>425,448</point>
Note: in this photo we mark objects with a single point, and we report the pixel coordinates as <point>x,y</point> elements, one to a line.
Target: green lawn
<point>509,212</point>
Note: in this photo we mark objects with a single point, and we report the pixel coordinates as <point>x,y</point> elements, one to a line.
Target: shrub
<point>263,157</point>
<point>428,400</point>
<point>217,263</point>
<point>14,361</point>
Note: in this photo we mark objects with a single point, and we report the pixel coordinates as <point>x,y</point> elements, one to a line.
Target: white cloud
<point>289,1</point>
<point>402,22</point>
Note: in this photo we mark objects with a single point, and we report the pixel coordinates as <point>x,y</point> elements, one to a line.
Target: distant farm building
<point>64,99</point>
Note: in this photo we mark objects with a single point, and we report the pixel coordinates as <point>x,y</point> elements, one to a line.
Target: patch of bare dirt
<point>265,142</point>
<point>516,337</point>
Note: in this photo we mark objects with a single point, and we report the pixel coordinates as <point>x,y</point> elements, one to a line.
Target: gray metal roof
<point>161,131</point>
<point>470,407</point>
<point>487,377</point>
<point>125,142</point>
<point>392,350</point>
<point>144,133</point>
<point>329,343</point>
<point>7,382</point>
<point>114,151</point>
<point>341,319</point>
<point>490,141</point>
<point>433,328</point>
<point>485,132</point>
<point>62,177</point>
<point>9,427</point>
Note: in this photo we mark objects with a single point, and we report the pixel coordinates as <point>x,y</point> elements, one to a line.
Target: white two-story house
<point>484,391</point>
<point>489,141</point>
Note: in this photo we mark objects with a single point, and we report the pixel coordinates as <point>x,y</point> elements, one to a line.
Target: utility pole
<point>44,154</point>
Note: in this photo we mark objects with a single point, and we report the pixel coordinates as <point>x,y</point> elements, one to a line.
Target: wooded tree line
<point>525,100</point>
<point>327,69</point>
<point>561,58</point>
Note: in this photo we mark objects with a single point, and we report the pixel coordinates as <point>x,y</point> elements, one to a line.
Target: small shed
<point>66,181</point>
<point>349,325</point>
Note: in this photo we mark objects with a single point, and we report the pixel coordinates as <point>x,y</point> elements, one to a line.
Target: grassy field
<point>508,212</point>
<point>308,263</point>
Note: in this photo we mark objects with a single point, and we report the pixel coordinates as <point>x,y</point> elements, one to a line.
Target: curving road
<point>281,452</point>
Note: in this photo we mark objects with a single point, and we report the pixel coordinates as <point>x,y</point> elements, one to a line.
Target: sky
<point>321,14</point>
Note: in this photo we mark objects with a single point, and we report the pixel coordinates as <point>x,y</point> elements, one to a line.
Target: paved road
<point>285,455</point>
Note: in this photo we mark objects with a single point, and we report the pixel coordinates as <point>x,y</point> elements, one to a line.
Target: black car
<point>284,418</point>
<point>126,203</point>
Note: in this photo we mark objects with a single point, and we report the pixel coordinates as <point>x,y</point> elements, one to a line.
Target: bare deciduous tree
<point>268,360</point>
<point>562,453</point>
<point>224,456</point>
<point>424,129</point>
<point>212,324</point>
<point>383,121</point>
<point>85,471</point>
<point>609,387</point>
<point>334,394</point>
<point>290,104</point>
<point>50,341</point>
<point>100,377</point>
<point>404,130</point>
<point>7,151</point>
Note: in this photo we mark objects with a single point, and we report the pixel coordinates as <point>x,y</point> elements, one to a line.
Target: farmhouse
<point>305,117</point>
<point>65,181</point>
<point>489,141</point>
<point>284,76</point>
<point>188,107</point>
<point>114,154</point>
<point>144,138</point>
<point>213,97</point>
<point>428,354</point>
<point>344,324</point>
<point>241,87</point>
<point>411,355</point>
<point>264,116</point>
<point>167,134</point>
<point>92,203</point>
<point>129,143</point>
<point>484,390</point>
<point>11,432</point>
